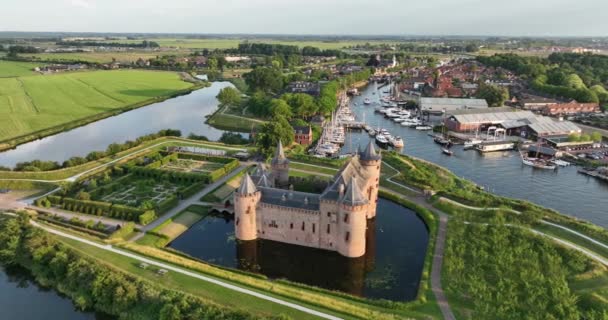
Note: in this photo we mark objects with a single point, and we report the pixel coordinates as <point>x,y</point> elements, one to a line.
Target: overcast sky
<point>394,17</point>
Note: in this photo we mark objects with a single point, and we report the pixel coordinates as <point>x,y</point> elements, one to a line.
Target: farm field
<point>103,57</point>
<point>16,69</point>
<point>26,104</point>
<point>233,43</point>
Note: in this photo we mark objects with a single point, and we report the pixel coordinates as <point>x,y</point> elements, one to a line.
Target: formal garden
<point>142,189</point>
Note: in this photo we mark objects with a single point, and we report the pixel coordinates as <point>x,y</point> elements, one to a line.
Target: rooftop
<point>450,104</point>
<point>291,199</point>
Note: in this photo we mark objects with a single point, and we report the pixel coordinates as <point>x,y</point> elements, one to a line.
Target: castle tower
<point>280,168</point>
<point>246,199</point>
<point>371,161</point>
<point>352,221</point>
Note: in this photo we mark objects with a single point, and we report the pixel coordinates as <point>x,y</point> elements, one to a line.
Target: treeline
<point>95,285</point>
<point>285,50</point>
<point>505,272</point>
<point>581,77</point>
<point>114,148</point>
<point>143,44</point>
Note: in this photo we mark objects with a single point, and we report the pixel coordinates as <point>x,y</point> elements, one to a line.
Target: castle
<point>334,220</point>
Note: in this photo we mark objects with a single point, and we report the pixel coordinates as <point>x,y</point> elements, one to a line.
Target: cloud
<point>82,3</point>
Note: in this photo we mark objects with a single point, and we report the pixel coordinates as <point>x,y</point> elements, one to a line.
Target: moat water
<point>564,190</point>
<point>397,241</point>
<point>21,298</point>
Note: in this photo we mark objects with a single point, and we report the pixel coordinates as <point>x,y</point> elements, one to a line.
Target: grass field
<point>27,105</point>
<point>16,69</point>
<point>181,223</point>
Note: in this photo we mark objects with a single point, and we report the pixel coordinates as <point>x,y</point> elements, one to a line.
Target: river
<point>21,298</point>
<point>186,113</point>
<point>564,190</point>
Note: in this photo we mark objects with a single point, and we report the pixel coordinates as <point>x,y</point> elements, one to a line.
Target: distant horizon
<point>237,34</point>
<point>496,18</point>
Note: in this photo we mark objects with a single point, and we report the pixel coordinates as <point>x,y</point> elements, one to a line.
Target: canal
<point>502,173</point>
<point>186,113</point>
<point>391,268</point>
<point>21,298</point>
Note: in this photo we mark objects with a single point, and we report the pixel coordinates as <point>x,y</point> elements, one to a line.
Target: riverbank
<point>16,141</point>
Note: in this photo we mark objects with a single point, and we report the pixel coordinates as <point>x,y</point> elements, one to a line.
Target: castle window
<point>248,210</point>
<point>303,226</point>
<point>291,225</point>
<point>346,217</point>
<point>328,228</point>
<point>313,228</point>
<point>237,221</point>
<point>329,214</point>
<point>347,236</point>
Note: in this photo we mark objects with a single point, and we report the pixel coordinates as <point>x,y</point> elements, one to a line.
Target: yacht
<point>538,163</point>
<point>367,101</point>
<point>471,143</point>
<point>424,128</point>
<point>397,142</point>
<point>381,140</point>
<point>447,151</point>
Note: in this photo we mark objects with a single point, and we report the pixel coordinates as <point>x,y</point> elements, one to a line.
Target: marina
<point>501,172</point>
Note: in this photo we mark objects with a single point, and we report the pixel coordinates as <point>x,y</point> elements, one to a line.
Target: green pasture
<point>32,103</point>
<point>16,69</point>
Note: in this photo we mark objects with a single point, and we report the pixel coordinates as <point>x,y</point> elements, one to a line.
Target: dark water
<point>186,113</point>
<point>21,298</point>
<point>391,268</point>
<point>502,173</point>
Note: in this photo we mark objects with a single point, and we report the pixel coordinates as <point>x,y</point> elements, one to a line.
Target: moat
<point>391,268</point>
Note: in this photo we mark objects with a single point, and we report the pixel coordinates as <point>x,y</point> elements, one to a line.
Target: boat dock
<point>594,173</point>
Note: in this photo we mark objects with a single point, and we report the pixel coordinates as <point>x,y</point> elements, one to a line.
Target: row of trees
<point>94,285</point>
<point>582,77</point>
<point>112,149</point>
<point>143,44</point>
<point>284,50</point>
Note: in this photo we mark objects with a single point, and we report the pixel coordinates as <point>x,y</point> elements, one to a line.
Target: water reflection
<point>390,269</point>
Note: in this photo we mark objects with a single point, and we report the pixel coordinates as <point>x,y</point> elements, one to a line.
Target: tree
<point>212,63</point>
<point>259,103</point>
<point>271,132</point>
<point>494,95</point>
<point>574,81</point>
<point>303,105</point>
<point>267,80</point>
<point>229,96</point>
<point>596,136</point>
<point>280,108</point>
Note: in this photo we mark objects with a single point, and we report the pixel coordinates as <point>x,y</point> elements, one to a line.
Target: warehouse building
<point>515,122</point>
<point>437,105</point>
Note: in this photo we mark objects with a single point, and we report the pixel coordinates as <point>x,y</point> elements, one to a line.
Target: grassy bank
<point>78,99</point>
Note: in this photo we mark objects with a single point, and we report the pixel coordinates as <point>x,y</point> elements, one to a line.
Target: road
<point>186,272</point>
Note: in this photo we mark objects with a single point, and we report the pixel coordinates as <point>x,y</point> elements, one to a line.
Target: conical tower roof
<point>369,153</point>
<point>263,182</point>
<point>353,196</point>
<point>247,186</point>
<point>279,155</point>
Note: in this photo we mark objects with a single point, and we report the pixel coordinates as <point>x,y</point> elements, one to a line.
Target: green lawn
<point>16,69</point>
<point>32,103</point>
<point>102,57</point>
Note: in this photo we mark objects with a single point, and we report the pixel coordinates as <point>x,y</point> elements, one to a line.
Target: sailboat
<point>537,162</point>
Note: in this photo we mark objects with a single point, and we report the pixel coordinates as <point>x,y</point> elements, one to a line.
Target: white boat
<point>561,163</point>
<point>538,163</point>
<point>396,142</point>
<point>367,101</point>
<point>471,143</point>
<point>424,128</point>
<point>381,139</point>
<point>372,132</point>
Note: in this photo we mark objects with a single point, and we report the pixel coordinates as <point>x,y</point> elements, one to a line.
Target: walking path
<point>186,272</point>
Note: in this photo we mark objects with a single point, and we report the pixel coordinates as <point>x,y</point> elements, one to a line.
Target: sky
<point>334,17</point>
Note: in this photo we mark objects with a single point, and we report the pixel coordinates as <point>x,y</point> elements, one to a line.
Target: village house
<point>311,88</point>
<point>570,108</point>
<point>303,135</point>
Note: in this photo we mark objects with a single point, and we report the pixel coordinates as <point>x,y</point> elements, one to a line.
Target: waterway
<point>21,298</point>
<point>186,113</point>
<point>503,173</point>
<point>397,240</point>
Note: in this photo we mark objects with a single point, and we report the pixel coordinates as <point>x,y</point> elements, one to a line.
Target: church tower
<point>371,162</point>
<point>246,199</point>
<point>280,168</point>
